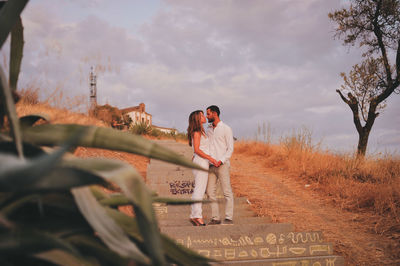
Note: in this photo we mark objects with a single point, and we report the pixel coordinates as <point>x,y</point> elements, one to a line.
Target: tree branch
<point>343,98</point>
<point>353,104</point>
<point>378,34</point>
<point>398,62</point>
<point>371,115</point>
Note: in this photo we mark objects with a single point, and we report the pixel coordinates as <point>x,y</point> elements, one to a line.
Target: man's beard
<point>210,120</point>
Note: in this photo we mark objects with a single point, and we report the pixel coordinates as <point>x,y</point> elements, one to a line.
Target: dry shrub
<point>58,99</point>
<point>57,116</point>
<point>253,148</point>
<point>30,103</point>
<point>29,95</point>
<point>55,98</point>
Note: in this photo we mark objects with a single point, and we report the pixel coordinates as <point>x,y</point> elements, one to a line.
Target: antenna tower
<point>93,91</point>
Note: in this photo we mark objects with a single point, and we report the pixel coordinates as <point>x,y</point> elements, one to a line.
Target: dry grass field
<point>356,203</point>
<point>371,184</point>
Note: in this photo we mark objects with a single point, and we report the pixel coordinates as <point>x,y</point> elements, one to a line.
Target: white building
<point>138,114</point>
<point>166,130</point>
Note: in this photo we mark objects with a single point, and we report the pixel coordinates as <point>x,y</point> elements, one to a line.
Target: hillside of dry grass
<point>355,202</point>
<point>56,115</point>
<point>370,184</point>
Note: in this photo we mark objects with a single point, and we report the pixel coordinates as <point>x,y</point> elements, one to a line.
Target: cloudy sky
<point>272,62</point>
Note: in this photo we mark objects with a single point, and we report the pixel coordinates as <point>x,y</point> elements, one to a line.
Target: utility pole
<point>93,92</point>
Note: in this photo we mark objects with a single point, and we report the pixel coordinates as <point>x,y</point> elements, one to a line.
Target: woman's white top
<point>204,145</point>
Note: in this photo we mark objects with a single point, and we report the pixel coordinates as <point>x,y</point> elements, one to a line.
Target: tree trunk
<point>363,142</point>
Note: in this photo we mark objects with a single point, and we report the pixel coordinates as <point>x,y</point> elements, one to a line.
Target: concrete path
<point>250,240</point>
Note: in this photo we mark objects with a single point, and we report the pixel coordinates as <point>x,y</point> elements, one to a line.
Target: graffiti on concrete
<point>180,187</point>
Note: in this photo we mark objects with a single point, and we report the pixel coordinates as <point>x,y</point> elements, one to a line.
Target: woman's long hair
<point>194,125</point>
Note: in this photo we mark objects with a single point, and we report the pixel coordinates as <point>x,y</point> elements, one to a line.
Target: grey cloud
<point>260,61</point>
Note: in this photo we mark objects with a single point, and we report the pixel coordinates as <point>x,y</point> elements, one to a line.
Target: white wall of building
<point>140,117</point>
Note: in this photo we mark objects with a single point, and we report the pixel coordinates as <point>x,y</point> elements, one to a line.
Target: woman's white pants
<point>200,185</point>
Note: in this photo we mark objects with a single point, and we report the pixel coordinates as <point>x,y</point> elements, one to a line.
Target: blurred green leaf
<point>177,201</point>
<point>4,137</point>
<point>116,200</point>
<point>29,120</point>
<point>107,229</point>
<point>148,227</point>
<point>9,14</point>
<point>97,250</point>
<point>42,173</point>
<point>30,150</point>
<point>98,193</point>
<point>16,204</point>
<point>179,254</point>
<point>17,46</point>
<point>106,138</point>
<point>7,99</point>
<point>60,257</point>
<point>29,241</point>
<point>131,183</point>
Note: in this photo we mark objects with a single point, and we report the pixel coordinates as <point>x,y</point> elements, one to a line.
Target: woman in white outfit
<point>198,139</point>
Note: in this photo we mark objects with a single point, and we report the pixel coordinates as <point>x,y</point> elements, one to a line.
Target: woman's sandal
<point>197,222</point>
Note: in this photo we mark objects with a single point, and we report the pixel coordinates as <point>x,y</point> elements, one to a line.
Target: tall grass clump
<point>53,210</point>
<point>141,129</point>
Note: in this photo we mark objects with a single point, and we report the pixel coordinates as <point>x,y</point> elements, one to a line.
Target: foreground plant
<point>52,207</point>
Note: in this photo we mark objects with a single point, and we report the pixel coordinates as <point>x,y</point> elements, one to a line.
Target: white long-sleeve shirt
<point>221,142</point>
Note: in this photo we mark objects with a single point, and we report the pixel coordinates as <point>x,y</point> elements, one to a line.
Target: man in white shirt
<point>221,148</point>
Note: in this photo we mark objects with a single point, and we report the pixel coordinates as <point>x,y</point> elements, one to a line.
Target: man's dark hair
<point>214,108</point>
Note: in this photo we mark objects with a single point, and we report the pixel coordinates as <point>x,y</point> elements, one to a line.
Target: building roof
<point>132,109</point>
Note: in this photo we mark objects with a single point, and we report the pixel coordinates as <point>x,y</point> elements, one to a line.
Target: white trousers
<point>221,173</point>
<point>200,185</point>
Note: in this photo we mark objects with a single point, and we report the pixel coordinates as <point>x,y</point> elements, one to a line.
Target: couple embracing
<point>212,149</point>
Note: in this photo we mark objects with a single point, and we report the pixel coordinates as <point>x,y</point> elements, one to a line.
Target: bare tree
<point>375,26</point>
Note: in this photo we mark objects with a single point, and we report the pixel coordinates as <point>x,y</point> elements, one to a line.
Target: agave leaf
<point>56,220</point>
<point>148,227</point>
<point>124,175</point>
<point>131,183</point>
<point>116,200</point>
<point>9,14</point>
<point>5,223</point>
<point>29,120</point>
<point>176,201</point>
<point>59,200</point>
<point>16,204</point>
<point>41,174</point>
<point>98,193</point>
<point>106,138</point>
<point>177,253</point>
<point>29,241</point>
<point>7,99</point>
<point>4,137</point>
<point>60,257</point>
<point>30,151</point>
<point>94,248</point>
<point>111,234</point>
<point>17,46</point>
